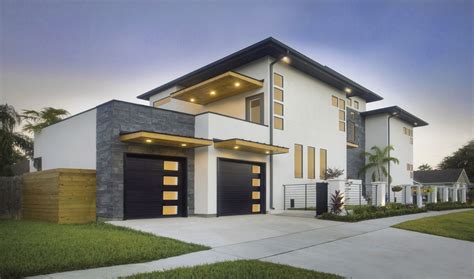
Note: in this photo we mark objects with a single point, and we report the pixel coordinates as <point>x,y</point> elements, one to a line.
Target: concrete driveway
<point>369,249</point>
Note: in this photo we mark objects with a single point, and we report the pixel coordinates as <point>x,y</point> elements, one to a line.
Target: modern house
<point>446,185</point>
<point>223,139</point>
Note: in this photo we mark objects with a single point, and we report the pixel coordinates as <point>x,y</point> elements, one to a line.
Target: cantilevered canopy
<point>250,146</point>
<point>219,87</point>
<point>164,139</point>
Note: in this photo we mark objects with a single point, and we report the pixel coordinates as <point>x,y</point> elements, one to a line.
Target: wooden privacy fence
<point>63,196</point>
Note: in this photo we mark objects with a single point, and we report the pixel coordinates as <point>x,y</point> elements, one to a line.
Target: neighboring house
<point>447,185</point>
<point>223,139</point>
<point>393,126</point>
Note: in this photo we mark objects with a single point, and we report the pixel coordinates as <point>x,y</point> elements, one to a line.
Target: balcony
<point>217,88</point>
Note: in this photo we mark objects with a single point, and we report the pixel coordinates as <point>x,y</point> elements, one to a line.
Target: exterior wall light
<point>286,59</point>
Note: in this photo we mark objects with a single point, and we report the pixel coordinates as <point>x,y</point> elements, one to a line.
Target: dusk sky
<point>78,54</point>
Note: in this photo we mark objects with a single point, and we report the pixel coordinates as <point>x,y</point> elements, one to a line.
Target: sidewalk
<point>347,249</point>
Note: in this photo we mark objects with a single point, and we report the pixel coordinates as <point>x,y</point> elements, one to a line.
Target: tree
<point>13,145</point>
<point>37,120</point>
<point>463,158</point>
<point>377,163</point>
<point>425,167</point>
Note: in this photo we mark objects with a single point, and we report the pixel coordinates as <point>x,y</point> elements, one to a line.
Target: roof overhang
<point>219,87</point>
<point>398,113</point>
<point>250,146</point>
<point>351,145</point>
<point>146,137</point>
<point>276,49</point>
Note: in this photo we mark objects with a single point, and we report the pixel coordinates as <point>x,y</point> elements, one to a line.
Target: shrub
<point>447,206</point>
<point>371,212</point>
<point>336,202</point>
<point>397,188</point>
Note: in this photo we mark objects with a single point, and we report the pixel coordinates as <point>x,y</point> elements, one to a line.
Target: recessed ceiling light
<point>415,123</point>
<point>183,145</point>
<point>148,140</point>
<point>286,59</point>
<point>267,152</point>
<point>237,84</point>
<point>348,90</point>
<point>236,147</point>
<point>192,100</point>
<point>212,92</point>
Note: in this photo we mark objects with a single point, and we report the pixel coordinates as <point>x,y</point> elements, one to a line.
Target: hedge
<point>447,206</point>
<point>366,215</point>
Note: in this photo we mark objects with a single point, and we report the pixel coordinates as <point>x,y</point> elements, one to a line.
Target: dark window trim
<point>248,100</point>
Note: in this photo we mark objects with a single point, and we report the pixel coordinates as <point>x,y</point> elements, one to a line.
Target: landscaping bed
<point>238,269</point>
<point>366,212</point>
<point>32,248</point>
<point>447,206</point>
<point>459,225</point>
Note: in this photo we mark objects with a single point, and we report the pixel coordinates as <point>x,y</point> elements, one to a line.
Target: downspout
<point>271,127</point>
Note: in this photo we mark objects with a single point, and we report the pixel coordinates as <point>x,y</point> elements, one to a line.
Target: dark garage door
<point>240,187</point>
<point>154,186</point>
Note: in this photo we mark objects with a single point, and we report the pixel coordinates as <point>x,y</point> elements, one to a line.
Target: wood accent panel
<point>251,146</point>
<point>63,196</point>
<point>165,139</point>
<point>222,86</point>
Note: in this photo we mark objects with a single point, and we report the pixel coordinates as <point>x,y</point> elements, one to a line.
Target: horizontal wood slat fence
<point>63,196</point>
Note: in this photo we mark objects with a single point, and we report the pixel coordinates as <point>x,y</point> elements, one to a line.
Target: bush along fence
<point>360,213</point>
<point>447,206</point>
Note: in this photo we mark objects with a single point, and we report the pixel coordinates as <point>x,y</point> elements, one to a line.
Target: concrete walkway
<point>368,249</point>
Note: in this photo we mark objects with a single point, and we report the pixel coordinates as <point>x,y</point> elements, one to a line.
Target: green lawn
<point>32,248</point>
<point>238,269</point>
<point>455,225</point>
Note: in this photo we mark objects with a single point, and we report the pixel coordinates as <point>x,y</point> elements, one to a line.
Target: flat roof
<point>401,114</point>
<point>276,49</point>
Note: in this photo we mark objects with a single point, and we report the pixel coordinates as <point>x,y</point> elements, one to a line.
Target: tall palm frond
<point>377,161</point>
<point>38,120</point>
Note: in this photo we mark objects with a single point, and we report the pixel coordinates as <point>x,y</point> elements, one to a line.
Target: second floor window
<point>254,109</point>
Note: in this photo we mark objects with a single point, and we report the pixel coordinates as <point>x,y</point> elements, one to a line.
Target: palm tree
<point>377,162</point>
<point>425,167</point>
<point>13,145</point>
<point>37,120</point>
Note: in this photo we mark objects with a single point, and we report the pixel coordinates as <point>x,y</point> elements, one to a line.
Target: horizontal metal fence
<point>299,196</point>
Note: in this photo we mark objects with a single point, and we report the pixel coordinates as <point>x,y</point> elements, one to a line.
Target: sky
<point>78,54</point>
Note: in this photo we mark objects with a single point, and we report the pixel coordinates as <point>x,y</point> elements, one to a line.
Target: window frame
<point>282,122</point>
<point>322,173</point>
<point>248,101</point>
<point>356,104</point>
<point>282,80</point>
<point>311,162</point>
<point>298,151</point>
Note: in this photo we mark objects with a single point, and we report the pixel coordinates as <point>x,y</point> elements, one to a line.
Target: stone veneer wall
<point>115,117</point>
<point>354,161</point>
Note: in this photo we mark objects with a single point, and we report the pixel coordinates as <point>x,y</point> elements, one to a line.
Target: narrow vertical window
<point>323,163</point>
<point>311,160</point>
<point>278,94</point>
<point>356,104</point>
<point>254,108</point>
<point>298,161</point>
<point>278,80</point>
<point>342,104</point>
<point>334,101</point>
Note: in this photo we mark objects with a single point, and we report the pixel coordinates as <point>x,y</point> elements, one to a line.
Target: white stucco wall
<point>205,168</point>
<point>310,120</point>
<point>70,143</point>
